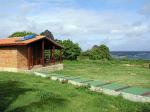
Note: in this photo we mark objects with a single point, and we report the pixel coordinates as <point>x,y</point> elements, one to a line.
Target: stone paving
<point>109,88</point>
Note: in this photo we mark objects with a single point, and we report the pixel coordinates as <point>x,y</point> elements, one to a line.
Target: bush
<point>71,50</point>
<point>98,53</point>
<point>20,34</point>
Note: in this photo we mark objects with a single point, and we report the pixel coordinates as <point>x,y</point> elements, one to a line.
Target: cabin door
<point>36,55</point>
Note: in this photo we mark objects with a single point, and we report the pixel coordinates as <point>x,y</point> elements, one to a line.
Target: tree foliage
<point>98,52</point>
<point>20,34</point>
<point>71,50</point>
<point>48,34</point>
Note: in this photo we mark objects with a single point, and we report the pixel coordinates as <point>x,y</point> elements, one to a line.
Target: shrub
<point>98,53</point>
<point>20,34</point>
<point>71,50</point>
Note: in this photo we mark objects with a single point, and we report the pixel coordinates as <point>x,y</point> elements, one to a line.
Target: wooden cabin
<point>23,54</point>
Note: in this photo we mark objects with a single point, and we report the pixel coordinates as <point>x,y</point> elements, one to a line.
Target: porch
<point>42,54</point>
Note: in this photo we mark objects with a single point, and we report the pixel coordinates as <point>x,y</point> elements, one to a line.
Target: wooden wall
<point>8,57</point>
<point>22,61</point>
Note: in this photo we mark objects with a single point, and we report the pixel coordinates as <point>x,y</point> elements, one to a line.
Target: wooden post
<point>28,57</point>
<point>53,55</point>
<point>51,58</point>
<point>36,49</point>
<point>60,56</point>
<point>50,54</point>
<point>43,52</point>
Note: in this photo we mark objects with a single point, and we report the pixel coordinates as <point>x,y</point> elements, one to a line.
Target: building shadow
<point>9,91</point>
<point>50,103</point>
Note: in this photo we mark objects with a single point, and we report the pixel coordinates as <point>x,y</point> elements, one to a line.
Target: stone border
<point>40,74</point>
<point>128,96</point>
<point>135,98</point>
<point>65,79</point>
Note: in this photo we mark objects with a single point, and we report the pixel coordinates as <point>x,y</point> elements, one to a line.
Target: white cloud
<point>146,9</point>
<point>119,30</point>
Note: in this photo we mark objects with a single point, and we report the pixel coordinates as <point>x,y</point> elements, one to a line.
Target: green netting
<point>55,75</point>
<point>113,86</point>
<point>81,80</point>
<point>96,83</point>
<point>62,76</point>
<point>135,90</point>
<point>71,77</point>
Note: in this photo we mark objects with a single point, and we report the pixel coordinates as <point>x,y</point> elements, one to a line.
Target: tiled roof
<point>16,41</point>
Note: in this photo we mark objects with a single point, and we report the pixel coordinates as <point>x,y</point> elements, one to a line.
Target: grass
<point>27,93</point>
<point>133,73</point>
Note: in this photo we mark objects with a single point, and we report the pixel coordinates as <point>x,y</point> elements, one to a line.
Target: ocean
<point>145,55</point>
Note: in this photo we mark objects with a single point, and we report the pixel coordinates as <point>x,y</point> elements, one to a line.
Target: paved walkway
<point>110,88</point>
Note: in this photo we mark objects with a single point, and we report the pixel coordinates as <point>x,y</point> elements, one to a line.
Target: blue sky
<point>123,25</point>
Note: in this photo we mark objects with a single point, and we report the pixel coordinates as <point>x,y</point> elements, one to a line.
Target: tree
<point>20,34</point>
<point>48,34</point>
<point>71,50</point>
<point>105,53</point>
<point>95,53</point>
<point>99,52</point>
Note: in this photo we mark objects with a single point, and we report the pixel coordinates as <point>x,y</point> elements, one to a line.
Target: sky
<point>123,25</point>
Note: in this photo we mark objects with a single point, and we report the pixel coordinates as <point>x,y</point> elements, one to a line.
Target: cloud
<point>119,29</point>
<point>145,10</point>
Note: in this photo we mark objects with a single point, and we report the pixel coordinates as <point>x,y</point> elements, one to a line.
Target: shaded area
<point>48,100</point>
<point>9,91</point>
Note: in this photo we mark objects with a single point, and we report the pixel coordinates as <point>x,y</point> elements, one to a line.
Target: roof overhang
<point>17,42</point>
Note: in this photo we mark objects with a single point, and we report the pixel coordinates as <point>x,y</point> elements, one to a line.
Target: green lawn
<point>28,93</point>
<point>134,73</point>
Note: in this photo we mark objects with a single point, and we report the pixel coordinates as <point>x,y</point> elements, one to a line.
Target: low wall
<point>8,69</point>
<point>49,68</point>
